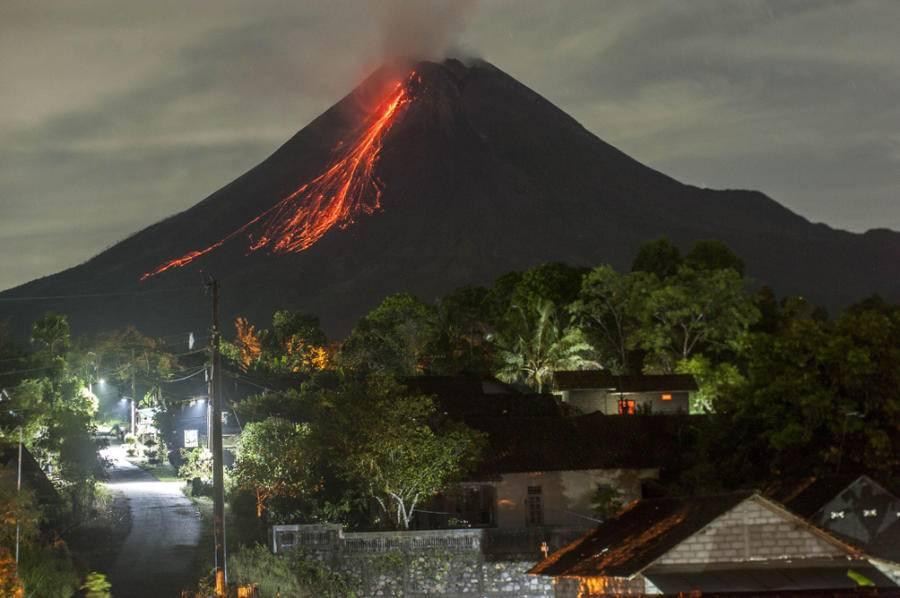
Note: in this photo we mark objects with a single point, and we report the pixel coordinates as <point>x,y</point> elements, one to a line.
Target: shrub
<point>289,575</point>
<point>197,464</point>
<point>273,573</point>
<point>48,571</point>
<point>96,586</point>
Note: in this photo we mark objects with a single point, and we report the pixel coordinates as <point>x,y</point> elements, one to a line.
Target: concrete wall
<point>566,495</point>
<point>592,400</point>
<point>750,531</point>
<point>446,563</point>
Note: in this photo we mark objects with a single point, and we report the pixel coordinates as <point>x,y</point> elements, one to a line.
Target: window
<point>626,407</point>
<point>666,397</point>
<point>534,503</point>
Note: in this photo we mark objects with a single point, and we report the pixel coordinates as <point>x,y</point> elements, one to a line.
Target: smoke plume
<point>422,29</point>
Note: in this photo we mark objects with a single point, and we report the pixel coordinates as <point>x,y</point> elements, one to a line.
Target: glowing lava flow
<point>336,197</point>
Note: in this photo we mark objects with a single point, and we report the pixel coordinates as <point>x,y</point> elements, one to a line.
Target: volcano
<point>424,179</point>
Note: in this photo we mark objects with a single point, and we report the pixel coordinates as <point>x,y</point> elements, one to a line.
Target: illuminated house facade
<point>591,391</point>
<point>545,462</point>
<point>738,542</point>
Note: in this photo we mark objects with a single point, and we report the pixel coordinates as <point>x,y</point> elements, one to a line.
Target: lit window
<point>870,512</point>
<point>626,407</point>
<point>837,514</point>
<point>666,397</point>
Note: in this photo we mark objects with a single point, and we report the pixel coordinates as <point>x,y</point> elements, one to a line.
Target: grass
<point>163,472</point>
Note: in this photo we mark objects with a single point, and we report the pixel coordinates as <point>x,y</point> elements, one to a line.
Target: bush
<point>291,574</point>
<point>197,464</point>
<point>48,571</point>
<point>273,573</point>
<point>96,586</point>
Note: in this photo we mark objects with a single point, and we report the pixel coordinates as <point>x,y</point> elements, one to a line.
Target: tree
<point>296,343</point>
<point>393,446</point>
<point>658,257</point>
<point>532,345</point>
<point>711,254</point>
<point>694,311</point>
<point>821,395</point>
<point>608,311</point>
<point>273,460</point>
<point>393,338</point>
<point>247,341</point>
<point>462,324</point>
<point>50,333</point>
<point>131,357</point>
<point>553,281</point>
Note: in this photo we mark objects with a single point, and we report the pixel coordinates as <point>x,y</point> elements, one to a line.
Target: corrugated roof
<point>602,379</point>
<point>641,533</point>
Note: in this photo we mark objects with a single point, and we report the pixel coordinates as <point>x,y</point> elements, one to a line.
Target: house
<point>598,390</point>
<point>852,507</point>
<point>546,472</point>
<point>545,463</point>
<point>738,542</point>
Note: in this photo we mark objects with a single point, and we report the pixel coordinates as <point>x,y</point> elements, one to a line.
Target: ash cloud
<point>422,29</point>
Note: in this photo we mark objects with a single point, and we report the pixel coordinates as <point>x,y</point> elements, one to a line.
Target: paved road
<point>157,557</point>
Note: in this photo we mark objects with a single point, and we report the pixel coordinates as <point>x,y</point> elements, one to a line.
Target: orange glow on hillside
<point>347,189</point>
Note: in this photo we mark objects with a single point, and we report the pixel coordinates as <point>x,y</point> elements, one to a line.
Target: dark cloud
<point>123,113</point>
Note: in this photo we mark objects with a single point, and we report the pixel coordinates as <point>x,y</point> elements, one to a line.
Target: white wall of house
<point>592,400</point>
<point>564,496</point>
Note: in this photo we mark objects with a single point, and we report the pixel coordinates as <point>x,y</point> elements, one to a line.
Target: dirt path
<point>156,558</point>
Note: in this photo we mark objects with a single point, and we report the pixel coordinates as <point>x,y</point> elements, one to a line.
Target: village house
<point>591,391</point>
<point>738,542</point>
<point>853,507</point>
<point>546,465</point>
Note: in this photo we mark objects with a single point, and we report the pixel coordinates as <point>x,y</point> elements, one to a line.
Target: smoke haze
<point>421,29</point>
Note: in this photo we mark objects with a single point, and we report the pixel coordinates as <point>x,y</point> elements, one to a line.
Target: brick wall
<point>750,531</point>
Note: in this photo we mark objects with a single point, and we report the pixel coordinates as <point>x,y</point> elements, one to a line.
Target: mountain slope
<point>473,176</point>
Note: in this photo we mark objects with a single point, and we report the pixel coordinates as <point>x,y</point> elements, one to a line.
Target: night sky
<point>114,115</point>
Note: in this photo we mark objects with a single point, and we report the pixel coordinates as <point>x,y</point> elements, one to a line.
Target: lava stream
<point>346,189</point>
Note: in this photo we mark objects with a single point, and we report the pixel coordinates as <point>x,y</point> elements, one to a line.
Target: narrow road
<point>157,557</point>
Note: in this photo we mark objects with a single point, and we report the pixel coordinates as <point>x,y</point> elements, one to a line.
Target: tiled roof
<point>641,533</point>
<point>601,379</point>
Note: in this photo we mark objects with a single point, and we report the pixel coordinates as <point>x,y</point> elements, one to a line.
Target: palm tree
<point>532,345</point>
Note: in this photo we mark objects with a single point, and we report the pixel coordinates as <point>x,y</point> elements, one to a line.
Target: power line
<point>95,295</point>
<point>46,367</point>
<point>203,369</point>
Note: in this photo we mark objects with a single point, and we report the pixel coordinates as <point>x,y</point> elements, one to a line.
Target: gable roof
<point>602,379</point>
<point>647,529</point>
<point>642,532</point>
<point>807,496</point>
<point>594,441</point>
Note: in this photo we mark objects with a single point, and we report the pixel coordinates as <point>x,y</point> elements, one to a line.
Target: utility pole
<point>18,493</point>
<point>218,473</point>
<point>133,395</point>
